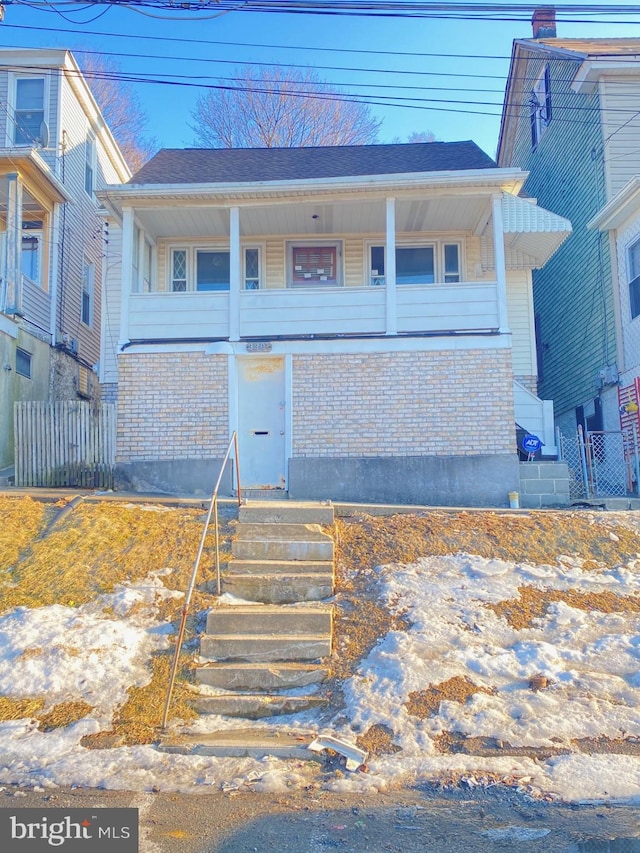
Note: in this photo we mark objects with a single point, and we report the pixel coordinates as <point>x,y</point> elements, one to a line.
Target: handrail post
<point>237,455</point>
<point>213,509</point>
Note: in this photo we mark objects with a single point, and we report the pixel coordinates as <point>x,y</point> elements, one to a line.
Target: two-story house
<point>362,316</point>
<point>571,119</point>
<point>55,153</point>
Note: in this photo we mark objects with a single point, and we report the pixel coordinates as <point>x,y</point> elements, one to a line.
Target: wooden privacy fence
<point>65,443</point>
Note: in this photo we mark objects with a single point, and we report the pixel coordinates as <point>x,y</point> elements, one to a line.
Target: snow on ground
<point>592,660</point>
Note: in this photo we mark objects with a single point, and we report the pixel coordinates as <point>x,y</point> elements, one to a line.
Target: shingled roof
<point>238,165</point>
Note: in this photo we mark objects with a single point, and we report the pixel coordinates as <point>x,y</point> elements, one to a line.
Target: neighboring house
<point>361,315</point>
<point>56,151</point>
<point>572,120</point>
<point>620,219</point>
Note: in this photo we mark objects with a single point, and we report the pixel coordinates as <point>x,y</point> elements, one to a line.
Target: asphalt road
<point>417,820</point>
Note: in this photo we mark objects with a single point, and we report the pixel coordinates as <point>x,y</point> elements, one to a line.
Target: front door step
<point>285,512</point>
<point>263,619</point>
<point>280,589</point>
<point>241,743</point>
<point>281,542</point>
<point>257,648</point>
<point>254,706</point>
<point>260,676</point>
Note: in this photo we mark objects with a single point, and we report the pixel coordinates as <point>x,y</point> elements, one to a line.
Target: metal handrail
<point>213,509</point>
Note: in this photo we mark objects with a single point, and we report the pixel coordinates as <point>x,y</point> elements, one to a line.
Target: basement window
<point>23,363</point>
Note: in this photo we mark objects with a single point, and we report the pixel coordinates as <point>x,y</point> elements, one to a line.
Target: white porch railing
<point>536,416</point>
<point>437,308</point>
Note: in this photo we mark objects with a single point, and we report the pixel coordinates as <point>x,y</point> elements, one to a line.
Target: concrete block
<point>281,542</point>
<point>538,487</point>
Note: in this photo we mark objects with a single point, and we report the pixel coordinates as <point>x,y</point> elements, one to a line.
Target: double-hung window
<point>417,264</point>
<point>634,278</point>
<point>32,244</point>
<point>29,110</point>
<point>314,264</point>
<point>540,107</point>
<point>88,278</point>
<point>209,269</point>
<point>89,163</point>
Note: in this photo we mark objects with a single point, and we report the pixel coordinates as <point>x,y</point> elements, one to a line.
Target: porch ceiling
<point>318,217</point>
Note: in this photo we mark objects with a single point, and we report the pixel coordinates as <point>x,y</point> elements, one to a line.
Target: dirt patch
<point>378,740</point>
<point>425,703</point>
<point>533,604</point>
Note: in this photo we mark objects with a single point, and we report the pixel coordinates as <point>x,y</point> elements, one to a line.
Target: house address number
<point>260,346</point>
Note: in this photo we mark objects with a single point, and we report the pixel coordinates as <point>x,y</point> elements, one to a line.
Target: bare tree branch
<point>121,109</point>
<point>279,108</point>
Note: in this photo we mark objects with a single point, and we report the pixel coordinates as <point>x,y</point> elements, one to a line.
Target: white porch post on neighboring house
<point>500,263</point>
<point>13,259</point>
<point>128,229</point>
<point>235,274</point>
<point>390,270</point>
<point>54,275</point>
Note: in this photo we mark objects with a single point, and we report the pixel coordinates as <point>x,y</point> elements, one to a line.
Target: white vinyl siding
<point>111,306</point>
<point>520,312</point>
<point>620,101</point>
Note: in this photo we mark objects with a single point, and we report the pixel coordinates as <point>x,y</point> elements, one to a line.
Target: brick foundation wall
<point>401,404</point>
<point>172,406</point>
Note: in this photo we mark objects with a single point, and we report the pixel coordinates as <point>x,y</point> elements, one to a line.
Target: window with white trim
<point>633,264</point>
<point>89,163</point>
<point>540,107</point>
<point>209,269</point>
<point>417,263</point>
<point>88,280</point>
<point>29,111</point>
<point>31,251</point>
<point>314,264</point>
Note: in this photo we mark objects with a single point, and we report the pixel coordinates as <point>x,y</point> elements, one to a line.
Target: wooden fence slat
<point>64,443</point>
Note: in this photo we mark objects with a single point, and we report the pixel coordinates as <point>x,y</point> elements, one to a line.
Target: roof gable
<point>238,165</point>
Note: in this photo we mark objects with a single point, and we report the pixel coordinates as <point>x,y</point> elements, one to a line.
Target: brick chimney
<point>544,22</point>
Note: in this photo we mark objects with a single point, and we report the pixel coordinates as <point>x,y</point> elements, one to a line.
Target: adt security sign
<point>531,443</point>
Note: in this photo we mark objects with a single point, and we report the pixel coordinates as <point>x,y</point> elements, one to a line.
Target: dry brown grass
<point>537,537</point>
<point>21,520</point>
<point>533,604</point>
<point>63,715</point>
<point>378,740</point>
<point>99,545</point>
<point>19,709</point>
<point>425,703</point>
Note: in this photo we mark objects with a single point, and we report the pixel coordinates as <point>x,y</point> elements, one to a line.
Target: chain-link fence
<point>601,464</point>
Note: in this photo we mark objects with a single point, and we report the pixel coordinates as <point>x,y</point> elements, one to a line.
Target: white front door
<point>262,421</point>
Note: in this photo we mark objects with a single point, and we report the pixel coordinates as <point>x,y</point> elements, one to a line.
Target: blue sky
<point>461,66</point>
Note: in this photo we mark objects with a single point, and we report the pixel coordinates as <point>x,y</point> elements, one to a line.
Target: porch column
<point>128,247</point>
<point>13,262</point>
<point>390,270</point>
<point>500,263</point>
<point>235,274</point>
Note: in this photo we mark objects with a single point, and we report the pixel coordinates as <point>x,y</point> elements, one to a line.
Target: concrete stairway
<point>257,655</point>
